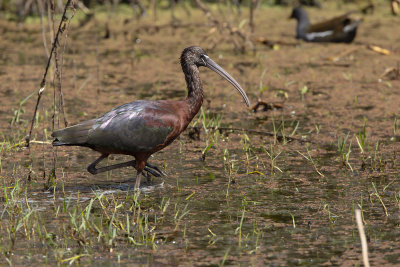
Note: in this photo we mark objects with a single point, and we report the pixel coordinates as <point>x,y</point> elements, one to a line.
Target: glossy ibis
<point>340,29</point>
<point>143,127</point>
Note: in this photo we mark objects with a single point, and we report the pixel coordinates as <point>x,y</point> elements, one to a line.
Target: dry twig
<point>226,26</point>
<point>43,83</point>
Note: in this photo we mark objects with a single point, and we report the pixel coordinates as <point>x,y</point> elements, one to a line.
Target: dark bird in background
<point>143,127</point>
<point>340,29</point>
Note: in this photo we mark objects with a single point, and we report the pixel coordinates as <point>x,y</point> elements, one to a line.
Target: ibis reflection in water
<point>143,127</point>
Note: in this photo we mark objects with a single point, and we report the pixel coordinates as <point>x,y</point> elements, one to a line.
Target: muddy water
<point>254,200</point>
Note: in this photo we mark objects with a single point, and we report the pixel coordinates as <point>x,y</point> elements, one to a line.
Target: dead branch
<point>41,11</point>
<point>83,7</point>
<point>43,83</point>
<point>225,26</point>
<point>59,69</point>
<point>253,6</point>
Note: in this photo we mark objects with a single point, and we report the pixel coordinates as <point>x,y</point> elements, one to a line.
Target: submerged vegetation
<point>276,184</point>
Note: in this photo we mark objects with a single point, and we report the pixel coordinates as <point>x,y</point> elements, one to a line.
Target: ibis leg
<point>92,167</point>
<point>137,183</point>
<point>149,168</point>
<point>93,170</point>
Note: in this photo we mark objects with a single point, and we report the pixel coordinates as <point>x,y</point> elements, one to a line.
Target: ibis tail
<point>76,135</point>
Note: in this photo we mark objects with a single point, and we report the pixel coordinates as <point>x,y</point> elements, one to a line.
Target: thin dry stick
<point>153,4</point>
<point>83,7</point>
<point>363,239</point>
<point>59,69</point>
<point>225,25</point>
<point>27,8</point>
<point>52,11</point>
<point>43,83</point>
<point>41,11</point>
<point>253,5</point>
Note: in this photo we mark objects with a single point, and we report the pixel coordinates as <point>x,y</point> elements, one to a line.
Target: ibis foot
<point>155,168</point>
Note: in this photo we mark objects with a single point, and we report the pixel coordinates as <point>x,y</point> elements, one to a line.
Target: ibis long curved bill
<point>209,63</point>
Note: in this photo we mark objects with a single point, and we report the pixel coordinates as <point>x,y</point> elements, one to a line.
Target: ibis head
<point>195,55</point>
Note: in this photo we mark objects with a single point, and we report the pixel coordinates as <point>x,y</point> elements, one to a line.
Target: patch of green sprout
<point>293,220</point>
<point>377,163</point>
<point>317,127</point>
<point>376,193</point>
<point>20,110</point>
<point>344,151</point>
<point>225,257</point>
<point>210,126</point>
<point>294,129</point>
<point>257,234</point>
<point>179,215</point>
<point>230,168</point>
<point>331,216</point>
<point>249,151</point>
<point>273,155</point>
<point>310,159</point>
<point>361,207</point>
<point>347,76</point>
<point>395,127</point>
<point>303,91</point>
<point>213,237</point>
<point>397,198</point>
<point>238,230</point>
<point>262,88</point>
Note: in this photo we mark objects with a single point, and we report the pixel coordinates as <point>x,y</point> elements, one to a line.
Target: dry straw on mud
<point>363,239</point>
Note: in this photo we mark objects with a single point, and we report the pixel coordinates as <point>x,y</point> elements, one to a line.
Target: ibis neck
<point>195,89</point>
